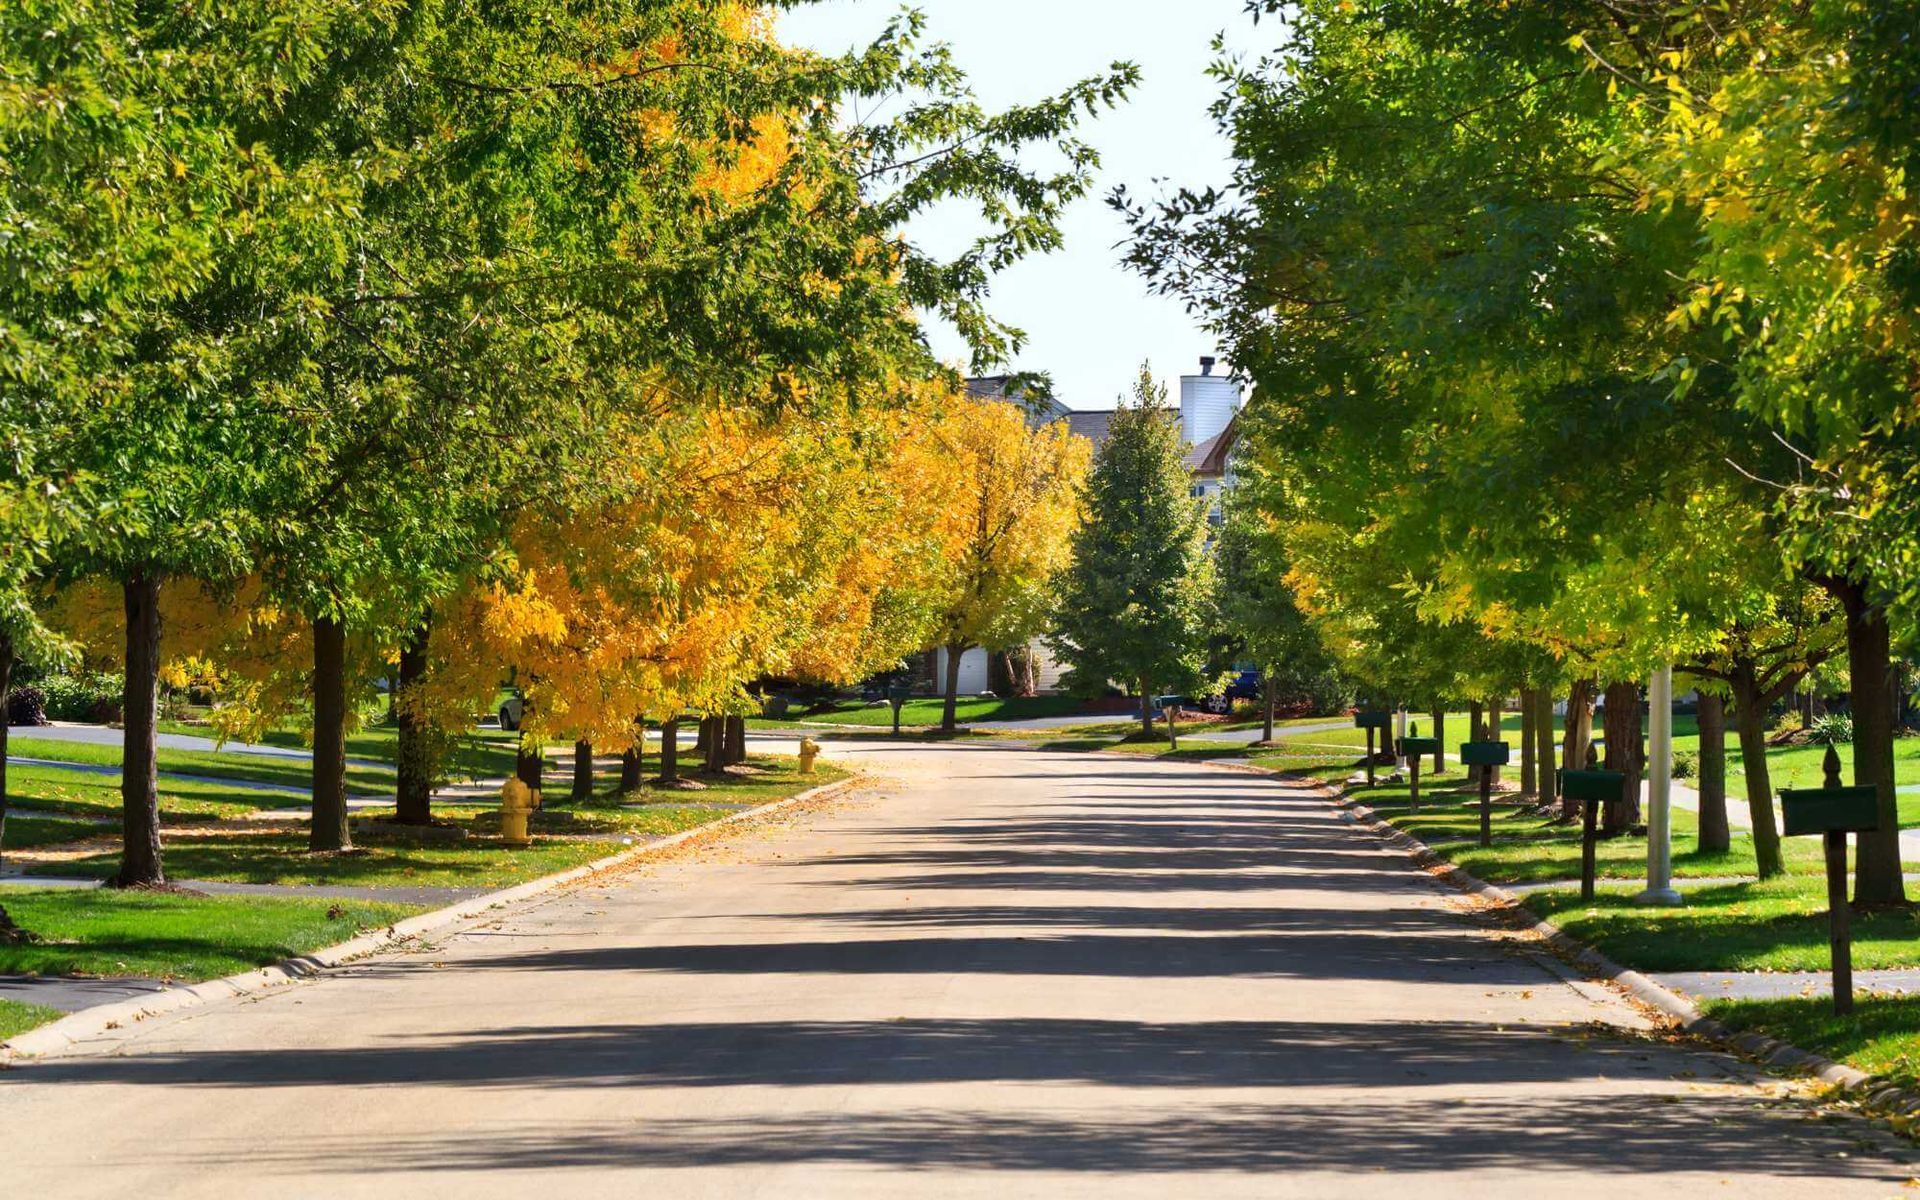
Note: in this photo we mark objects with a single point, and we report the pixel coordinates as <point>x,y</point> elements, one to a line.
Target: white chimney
<point>1207,402</point>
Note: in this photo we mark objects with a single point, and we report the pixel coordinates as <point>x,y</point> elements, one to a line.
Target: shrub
<point>1832,729</point>
<point>83,697</point>
<point>775,707</point>
<point>1686,765</point>
<point>26,705</point>
<point>1788,725</point>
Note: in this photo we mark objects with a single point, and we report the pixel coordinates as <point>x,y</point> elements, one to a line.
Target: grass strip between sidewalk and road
<point>162,935</point>
<point>1744,925</point>
<point>18,1017</point>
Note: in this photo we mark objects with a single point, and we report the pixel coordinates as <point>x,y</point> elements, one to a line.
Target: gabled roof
<point>1210,457</point>
<point>1043,411</point>
<point>1093,424</point>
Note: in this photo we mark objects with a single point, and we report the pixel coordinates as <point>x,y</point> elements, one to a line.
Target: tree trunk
<point>1715,837</point>
<point>633,762</point>
<point>1543,746</point>
<point>6,713</point>
<point>1877,881</point>
<point>670,751</point>
<point>529,763</point>
<point>582,771</point>
<point>1577,738</point>
<point>1529,746</point>
<point>140,864</point>
<point>413,750</point>
<point>735,729</point>
<point>1440,735</point>
<point>1266,706</point>
<point>951,693</point>
<point>1496,716</point>
<point>1475,724</point>
<point>1623,755</point>
<point>1750,719</point>
<point>329,830</point>
<point>716,745</point>
<point>1146,710</point>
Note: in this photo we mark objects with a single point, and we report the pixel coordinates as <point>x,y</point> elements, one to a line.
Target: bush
<point>1686,765</point>
<point>1788,725</point>
<point>26,705</point>
<point>775,707</point>
<point>83,697</point>
<point>1832,729</point>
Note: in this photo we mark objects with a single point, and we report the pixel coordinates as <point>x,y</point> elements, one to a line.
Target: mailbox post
<point>1414,746</point>
<point>1833,812</point>
<point>1592,789</point>
<point>1484,754</point>
<point>1370,720</point>
<point>1169,707</point>
<point>896,696</point>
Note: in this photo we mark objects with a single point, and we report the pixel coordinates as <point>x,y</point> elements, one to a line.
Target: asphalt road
<point>999,973</point>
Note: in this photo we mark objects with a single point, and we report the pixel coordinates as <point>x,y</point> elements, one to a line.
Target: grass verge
<point>167,936</point>
<point>1746,925</point>
<point>16,1018</point>
<point>567,834</point>
<point>1880,1037</point>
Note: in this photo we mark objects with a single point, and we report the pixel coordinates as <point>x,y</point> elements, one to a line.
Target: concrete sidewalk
<point>997,973</point>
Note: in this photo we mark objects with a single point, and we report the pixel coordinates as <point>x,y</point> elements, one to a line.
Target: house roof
<point>1210,457</point>
<point>1042,410</point>
<point>1093,424</point>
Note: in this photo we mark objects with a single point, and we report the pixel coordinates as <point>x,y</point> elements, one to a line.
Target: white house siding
<point>1047,670</point>
<point>973,671</point>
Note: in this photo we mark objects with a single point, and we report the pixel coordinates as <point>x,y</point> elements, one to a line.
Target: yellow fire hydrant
<point>516,805</point>
<point>809,750</point>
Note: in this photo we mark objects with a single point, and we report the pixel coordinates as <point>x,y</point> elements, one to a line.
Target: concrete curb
<point>52,1039</point>
<point>1875,1093</point>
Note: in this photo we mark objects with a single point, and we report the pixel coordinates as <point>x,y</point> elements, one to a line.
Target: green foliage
<point>1255,611</point>
<point>91,697</point>
<point>1831,729</point>
<point>1134,604</point>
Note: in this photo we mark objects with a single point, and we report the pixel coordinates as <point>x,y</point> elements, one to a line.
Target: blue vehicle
<point>1245,685</point>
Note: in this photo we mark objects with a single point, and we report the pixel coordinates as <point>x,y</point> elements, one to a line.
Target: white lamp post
<point>1660,791</point>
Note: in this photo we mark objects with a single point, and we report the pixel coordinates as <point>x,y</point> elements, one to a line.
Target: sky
<point>1090,322</point>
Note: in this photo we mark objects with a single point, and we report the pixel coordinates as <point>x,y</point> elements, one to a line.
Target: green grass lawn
<point>282,858</point>
<point>577,833</point>
<point>1880,1037</point>
<point>1779,925</point>
<point>80,793</point>
<point>477,754</point>
<point>185,938</point>
<point>17,1018</point>
<point>292,774</point>
<point>926,710</point>
<point>24,833</point>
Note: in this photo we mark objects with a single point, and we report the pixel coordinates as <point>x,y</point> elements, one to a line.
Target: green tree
<point>1134,606</point>
<point>1255,609</point>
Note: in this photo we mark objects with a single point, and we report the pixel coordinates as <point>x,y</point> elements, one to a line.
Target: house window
<point>1197,490</point>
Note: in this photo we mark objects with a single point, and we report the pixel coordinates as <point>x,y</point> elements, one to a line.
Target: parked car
<point>512,709</point>
<point>1244,686</point>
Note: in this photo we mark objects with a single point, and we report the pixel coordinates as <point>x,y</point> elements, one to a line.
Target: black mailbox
<point>1414,747</point>
<point>1829,810</point>
<point>1484,754</point>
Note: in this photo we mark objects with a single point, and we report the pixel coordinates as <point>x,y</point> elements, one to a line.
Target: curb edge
<point>52,1039</point>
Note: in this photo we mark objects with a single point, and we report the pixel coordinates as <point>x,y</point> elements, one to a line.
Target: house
<point>1209,425</point>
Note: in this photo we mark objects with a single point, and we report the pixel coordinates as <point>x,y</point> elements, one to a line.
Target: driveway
<point>995,973</point>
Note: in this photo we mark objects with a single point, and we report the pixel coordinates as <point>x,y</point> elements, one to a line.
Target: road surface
<point>999,973</point>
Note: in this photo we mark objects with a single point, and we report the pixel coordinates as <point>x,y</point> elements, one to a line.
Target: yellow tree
<point>1015,505</point>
